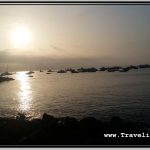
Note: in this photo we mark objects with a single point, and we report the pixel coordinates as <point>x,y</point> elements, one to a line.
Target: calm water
<point>101,95</point>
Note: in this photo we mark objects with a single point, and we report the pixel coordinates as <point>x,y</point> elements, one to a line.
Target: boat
<point>30,76</point>
<point>5,79</point>
<point>30,72</point>
<point>41,70</point>
<point>73,71</point>
<point>111,70</point>
<point>124,70</point>
<point>6,73</point>
<point>61,71</point>
<point>49,70</point>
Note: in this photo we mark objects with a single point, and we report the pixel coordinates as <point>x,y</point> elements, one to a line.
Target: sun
<point>21,36</point>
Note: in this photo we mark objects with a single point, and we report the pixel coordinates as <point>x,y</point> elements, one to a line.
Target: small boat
<point>74,71</point>
<point>48,73</point>
<point>30,76</point>
<point>111,70</point>
<point>5,79</point>
<point>6,73</point>
<point>49,70</point>
<point>30,72</point>
<point>61,71</point>
<point>124,69</point>
<point>41,70</point>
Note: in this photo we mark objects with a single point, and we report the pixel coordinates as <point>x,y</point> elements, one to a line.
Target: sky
<point>60,36</point>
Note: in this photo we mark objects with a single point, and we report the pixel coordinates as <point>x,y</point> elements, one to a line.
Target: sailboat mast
<point>7,68</point>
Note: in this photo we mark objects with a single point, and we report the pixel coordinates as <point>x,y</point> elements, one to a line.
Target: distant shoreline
<point>90,69</point>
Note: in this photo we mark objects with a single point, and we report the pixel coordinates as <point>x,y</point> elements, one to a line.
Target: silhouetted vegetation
<point>50,130</point>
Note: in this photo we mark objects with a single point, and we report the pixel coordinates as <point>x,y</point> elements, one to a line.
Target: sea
<point>100,94</point>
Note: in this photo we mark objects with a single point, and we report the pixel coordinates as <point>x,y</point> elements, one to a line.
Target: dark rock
<point>67,131</point>
<point>21,116</point>
<point>68,121</point>
<point>116,120</point>
<point>34,138</point>
<point>89,123</point>
<point>47,118</point>
<point>49,122</point>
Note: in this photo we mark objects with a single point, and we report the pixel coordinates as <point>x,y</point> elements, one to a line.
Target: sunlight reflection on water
<point>25,92</point>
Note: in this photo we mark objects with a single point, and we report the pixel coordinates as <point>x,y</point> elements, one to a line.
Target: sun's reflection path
<point>25,92</point>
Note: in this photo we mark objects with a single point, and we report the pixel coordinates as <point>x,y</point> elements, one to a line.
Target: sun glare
<point>25,92</point>
<point>21,36</point>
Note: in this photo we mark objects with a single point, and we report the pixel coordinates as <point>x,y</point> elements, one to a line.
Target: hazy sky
<point>74,35</point>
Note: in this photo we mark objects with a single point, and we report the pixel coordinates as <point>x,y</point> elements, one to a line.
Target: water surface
<point>101,95</point>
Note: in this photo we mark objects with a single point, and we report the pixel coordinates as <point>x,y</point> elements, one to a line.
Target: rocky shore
<point>68,131</point>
